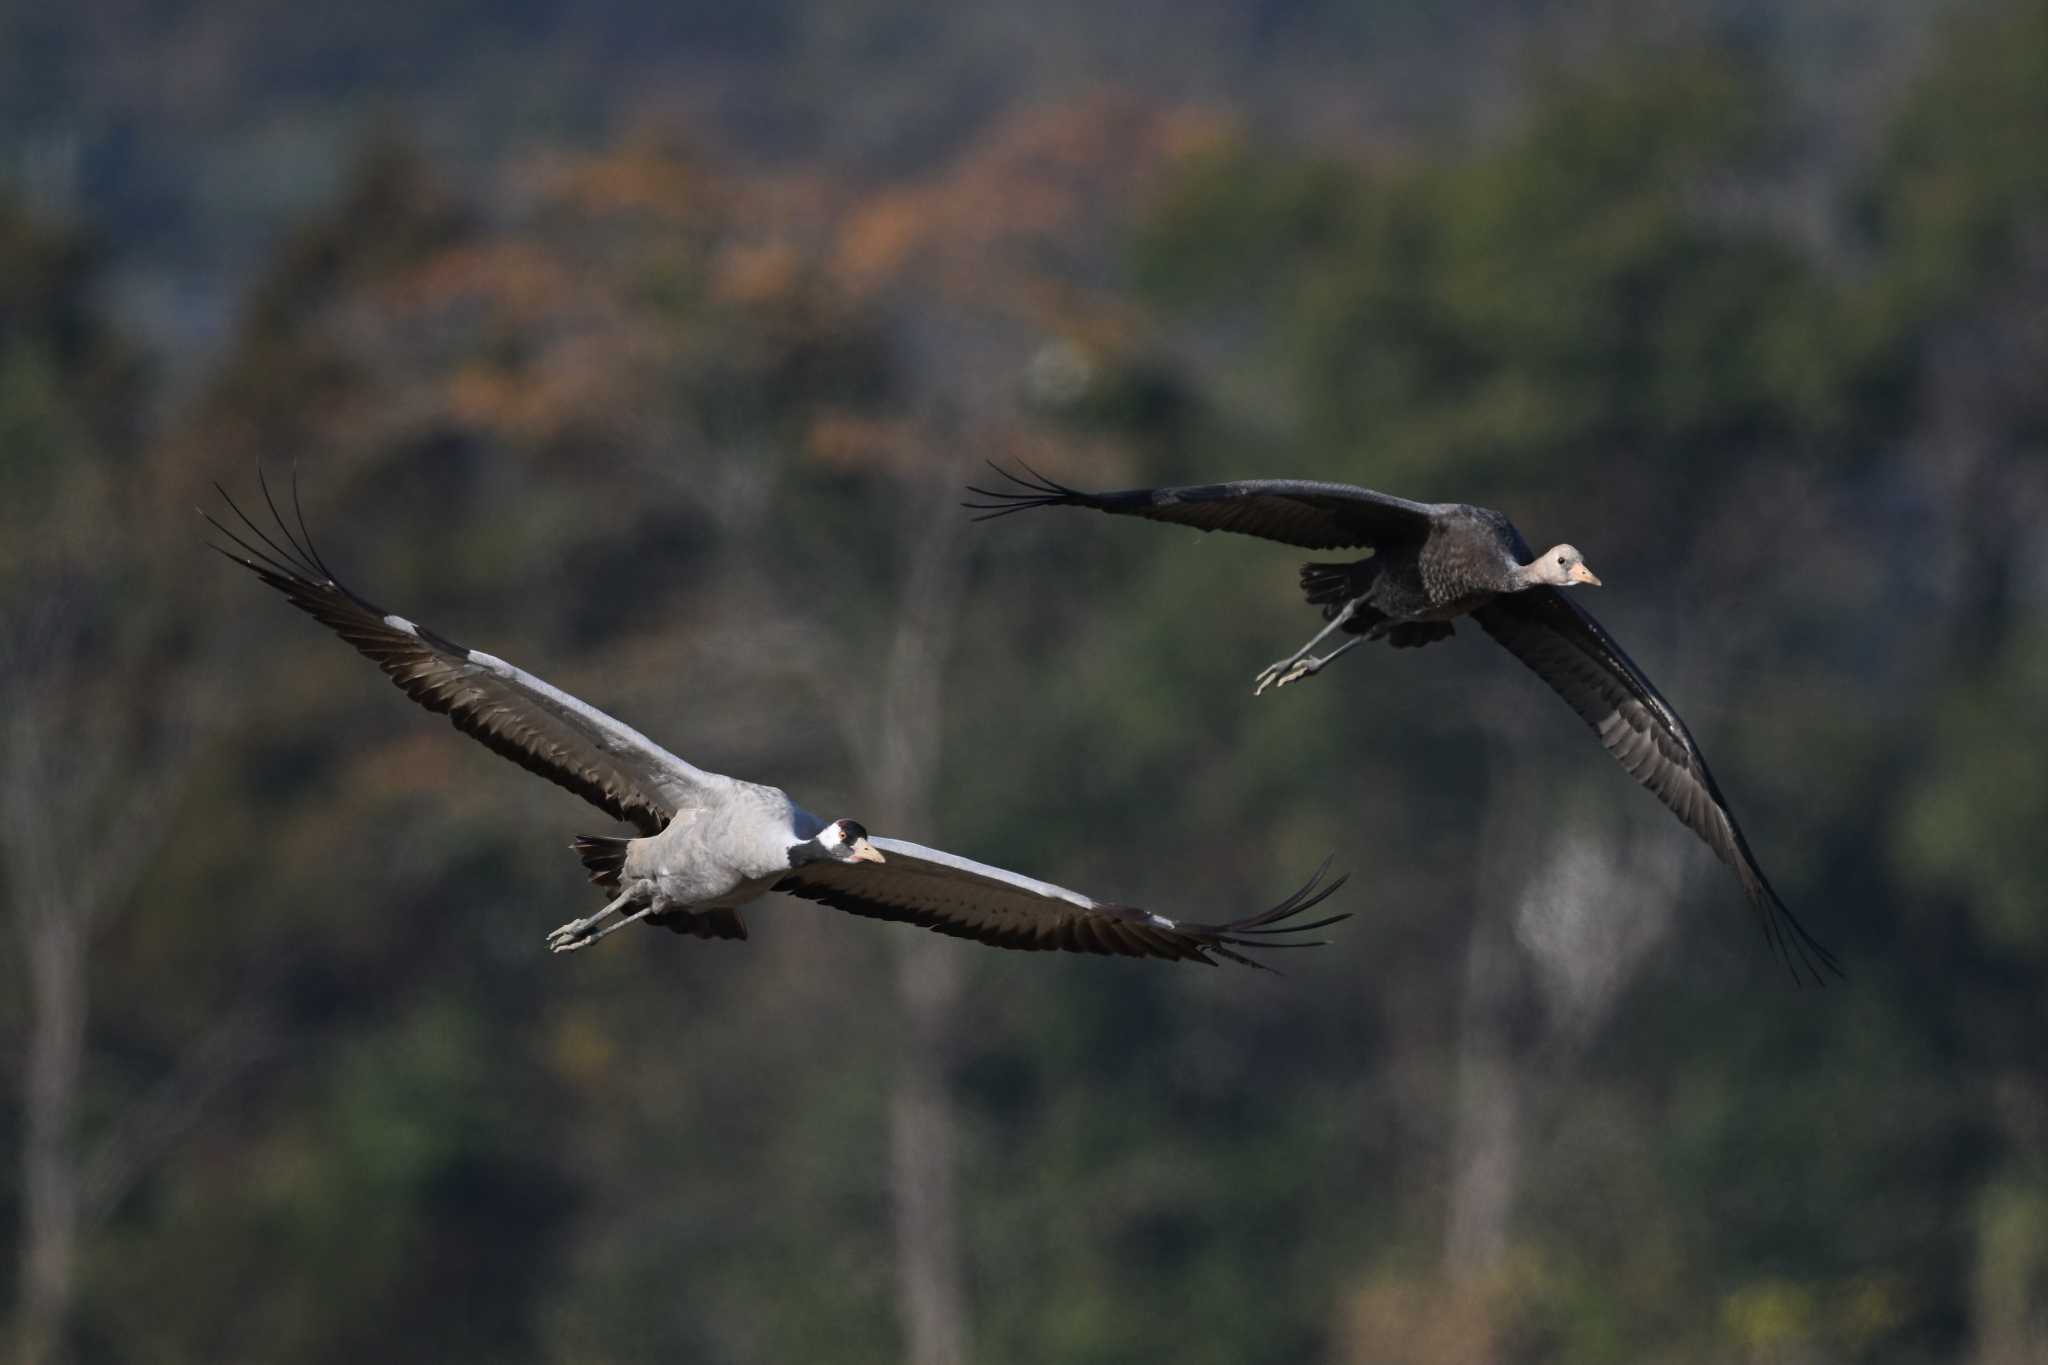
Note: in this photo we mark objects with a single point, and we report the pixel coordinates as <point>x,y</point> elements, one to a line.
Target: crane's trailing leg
<point>1284,671</point>
<point>570,945</point>
<point>577,932</point>
<point>1310,666</point>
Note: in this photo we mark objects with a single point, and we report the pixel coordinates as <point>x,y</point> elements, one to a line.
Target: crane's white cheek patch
<point>399,623</point>
<point>1162,921</point>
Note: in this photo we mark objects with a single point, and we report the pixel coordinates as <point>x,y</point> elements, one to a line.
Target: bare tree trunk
<point>931,1292</point>
<point>72,759</point>
<point>53,929</point>
<point>1487,1155</point>
<point>900,754</point>
<point>1486,1151</point>
<point>49,1157</point>
<point>1567,913</point>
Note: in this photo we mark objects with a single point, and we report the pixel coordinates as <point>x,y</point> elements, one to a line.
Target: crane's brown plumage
<point>1434,562</point>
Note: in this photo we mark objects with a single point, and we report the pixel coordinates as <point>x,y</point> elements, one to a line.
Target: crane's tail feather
<point>603,855</point>
<point>1331,586</point>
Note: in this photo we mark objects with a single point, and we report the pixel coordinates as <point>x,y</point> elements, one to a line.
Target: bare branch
<point>151,1127</point>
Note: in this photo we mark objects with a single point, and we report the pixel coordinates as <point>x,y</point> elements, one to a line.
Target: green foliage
<point>71,388</point>
<point>1962,189</point>
<point>1582,317</point>
<point>1573,290</point>
<point>589,413</point>
<point>1971,827</point>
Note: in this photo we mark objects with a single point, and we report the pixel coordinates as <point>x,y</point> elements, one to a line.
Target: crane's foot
<point>1301,662</point>
<point>1300,666</point>
<point>580,933</point>
<point>1272,673</point>
<point>1286,671</point>
<point>577,933</point>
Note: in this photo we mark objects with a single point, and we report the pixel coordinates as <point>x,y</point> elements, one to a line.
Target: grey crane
<point>708,843</point>
<point>1429,563</point>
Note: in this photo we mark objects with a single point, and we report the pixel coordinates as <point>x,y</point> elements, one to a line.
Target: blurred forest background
<point>649,344</point>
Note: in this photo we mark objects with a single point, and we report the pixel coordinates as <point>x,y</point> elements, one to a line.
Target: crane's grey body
<point>720,855</point>
<point>728,845</point>
<point>1449,559</point>
<point>709,844</point>
<point>1465,558</point>
<point>1430,563</point>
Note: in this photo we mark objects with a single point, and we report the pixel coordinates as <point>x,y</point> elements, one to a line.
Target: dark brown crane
<point>1428,564</point>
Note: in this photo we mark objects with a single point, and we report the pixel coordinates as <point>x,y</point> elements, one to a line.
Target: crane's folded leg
<point>577,932</point>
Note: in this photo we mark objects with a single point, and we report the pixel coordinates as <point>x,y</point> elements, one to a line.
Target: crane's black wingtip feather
<point>1261,931</point>
<point>229,555</point>
<point>1308,928</point>
<point>1038,491</point>
<point>292,565</point>
<point>305,531</point>
<point>1041,480</point>
<point>1035,484</point>
<point>1304,900</point>
<point>251,558</point>
<point>990,511</point>
<point>302,543</point>
<point>1807,959</point>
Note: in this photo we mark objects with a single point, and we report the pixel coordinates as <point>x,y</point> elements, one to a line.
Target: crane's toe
<point>1275,675</point>
<point>575,934</point>
<point>1287,671</point>
<point>1303,668</point>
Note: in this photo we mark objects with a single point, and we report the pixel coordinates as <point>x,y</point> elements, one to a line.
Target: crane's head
<point>1561,566</point>
<point>842,841</point>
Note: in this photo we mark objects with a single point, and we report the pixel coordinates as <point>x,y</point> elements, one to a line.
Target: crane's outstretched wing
<point>1315,516</point>
<point>538,726</point>
<point>957,896</point>
<point>1563,645</point>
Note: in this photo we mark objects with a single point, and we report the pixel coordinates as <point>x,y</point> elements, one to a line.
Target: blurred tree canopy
<point>663,423</point>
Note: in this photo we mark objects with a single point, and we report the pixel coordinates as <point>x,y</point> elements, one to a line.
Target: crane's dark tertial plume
<point>1430,564</point>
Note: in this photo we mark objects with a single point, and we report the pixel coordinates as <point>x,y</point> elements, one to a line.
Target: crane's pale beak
<point>865,852</point>
<point>1581,574</point>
